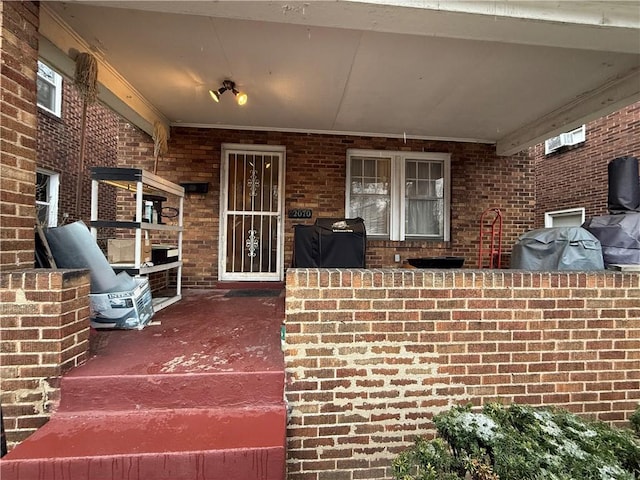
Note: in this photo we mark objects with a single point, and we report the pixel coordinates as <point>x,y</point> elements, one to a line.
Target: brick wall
<point>372,355</point>
<point>316,178</point>
<point>45,332</point>
<point>59,151</point>
<point>577,176</point>
<point>18,57</point>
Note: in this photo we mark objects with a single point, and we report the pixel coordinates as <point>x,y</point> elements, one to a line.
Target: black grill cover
<point>624,185</point>
<point>330,243</point>
<point>305,246</point>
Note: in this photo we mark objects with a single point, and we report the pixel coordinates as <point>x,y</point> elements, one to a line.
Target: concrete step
<point>186,444</point>
<point>166,391</point>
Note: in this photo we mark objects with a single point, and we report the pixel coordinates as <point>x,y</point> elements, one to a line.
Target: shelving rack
<point>141,183</point>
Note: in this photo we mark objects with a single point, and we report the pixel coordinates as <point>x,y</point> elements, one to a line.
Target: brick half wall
<point>44,332</point>
<point>372,355</point>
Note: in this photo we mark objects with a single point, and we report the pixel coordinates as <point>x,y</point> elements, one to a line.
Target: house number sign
<point>300,213</point>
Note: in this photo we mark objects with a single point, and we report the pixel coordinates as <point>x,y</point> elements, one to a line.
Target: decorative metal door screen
<point>251,237</point>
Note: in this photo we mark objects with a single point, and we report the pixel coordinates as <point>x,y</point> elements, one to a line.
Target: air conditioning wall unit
<point>571,138</point>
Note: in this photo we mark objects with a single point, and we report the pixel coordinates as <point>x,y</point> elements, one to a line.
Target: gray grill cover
<point>558,248</point>
<point>619,236</point>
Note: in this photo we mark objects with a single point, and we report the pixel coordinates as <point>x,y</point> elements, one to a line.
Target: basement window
<point>400,195</point>
<point>49,85</point>
<point>571,217</point>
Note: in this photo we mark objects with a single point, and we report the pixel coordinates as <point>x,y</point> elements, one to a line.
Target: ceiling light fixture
<point>241,97</point>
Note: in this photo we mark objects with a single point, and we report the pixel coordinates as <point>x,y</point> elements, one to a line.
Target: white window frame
<point>56,83</point>
<point>397,187</point>
<point>53,194</point>
<point>549,216</point>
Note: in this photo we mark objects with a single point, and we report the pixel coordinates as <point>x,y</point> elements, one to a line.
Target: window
<point>400,195</point>
<point>571,217</point>
<point>47,184</point>
<point>49,84</point>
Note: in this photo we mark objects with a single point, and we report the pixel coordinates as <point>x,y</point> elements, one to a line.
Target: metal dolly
<point>494,231</point>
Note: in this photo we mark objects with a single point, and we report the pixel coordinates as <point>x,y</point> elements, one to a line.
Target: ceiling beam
<point>610,26</point>
<point>617,93</point>
<point>59,45</point>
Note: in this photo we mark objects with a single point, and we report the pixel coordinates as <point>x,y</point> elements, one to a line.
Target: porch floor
<point>206,331</point>
<point>198,393</point>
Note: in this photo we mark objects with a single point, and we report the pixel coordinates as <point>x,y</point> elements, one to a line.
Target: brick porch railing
<point>44,331</point>
<point>371,355</point>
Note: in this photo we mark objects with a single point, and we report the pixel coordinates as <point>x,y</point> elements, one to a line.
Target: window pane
<point>423,170</point>
<point>424,189</point>
<point>424,206</point>
<point>46,94</point>
<point>43,214</point>
<point>424,217</point>
<point>370,193</point>
<point>369,169</point>
<point>356,167</point>
<point>436,170</point>
<point>410,170</point>
<point>42,187</point>
<point>375,212</point>
<point>49,89</point>
<point>45,72</point>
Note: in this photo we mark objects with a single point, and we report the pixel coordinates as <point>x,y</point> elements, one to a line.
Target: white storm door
<point>251,237</point>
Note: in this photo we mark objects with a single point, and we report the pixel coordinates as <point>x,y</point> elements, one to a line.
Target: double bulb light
<point>241,97</point>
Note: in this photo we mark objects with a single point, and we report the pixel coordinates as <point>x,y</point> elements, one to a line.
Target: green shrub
<point>520,443</point>
<point>635,421</point>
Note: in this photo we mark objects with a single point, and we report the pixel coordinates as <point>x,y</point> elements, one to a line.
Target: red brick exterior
<point>372,355</point>
<point>45,332</point>
<point>577,176</point>
<point>567,339</point>
<point>59,151</point>
<point>316,179</point>
<point>44,313</point>
<point>18,66</point>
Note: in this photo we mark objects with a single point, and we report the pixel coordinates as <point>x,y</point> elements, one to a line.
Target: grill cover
<point>619,236</point>
<point>305,247</point>
<point>624,185</point>
<point>558,248</point>
<point>330,243</point>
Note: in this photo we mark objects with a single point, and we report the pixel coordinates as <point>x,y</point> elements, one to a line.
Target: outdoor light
<point>215,94</point>
<point>241,97</point>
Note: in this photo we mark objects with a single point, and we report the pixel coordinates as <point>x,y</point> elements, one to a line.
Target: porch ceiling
<point>506,72</point>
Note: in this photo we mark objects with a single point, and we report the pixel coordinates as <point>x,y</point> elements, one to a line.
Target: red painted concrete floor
<point>198,393</point>
<point>204,332</point>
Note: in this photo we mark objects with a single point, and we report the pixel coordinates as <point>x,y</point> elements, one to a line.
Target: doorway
<point>251,204</point>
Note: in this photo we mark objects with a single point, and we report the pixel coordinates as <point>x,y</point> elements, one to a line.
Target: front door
<point>251,213</point>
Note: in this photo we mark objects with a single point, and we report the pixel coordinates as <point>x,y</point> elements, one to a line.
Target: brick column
<point>18,70</point>
<point>44,321</point>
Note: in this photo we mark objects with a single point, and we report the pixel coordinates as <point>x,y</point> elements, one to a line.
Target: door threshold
<point>232,285</point>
